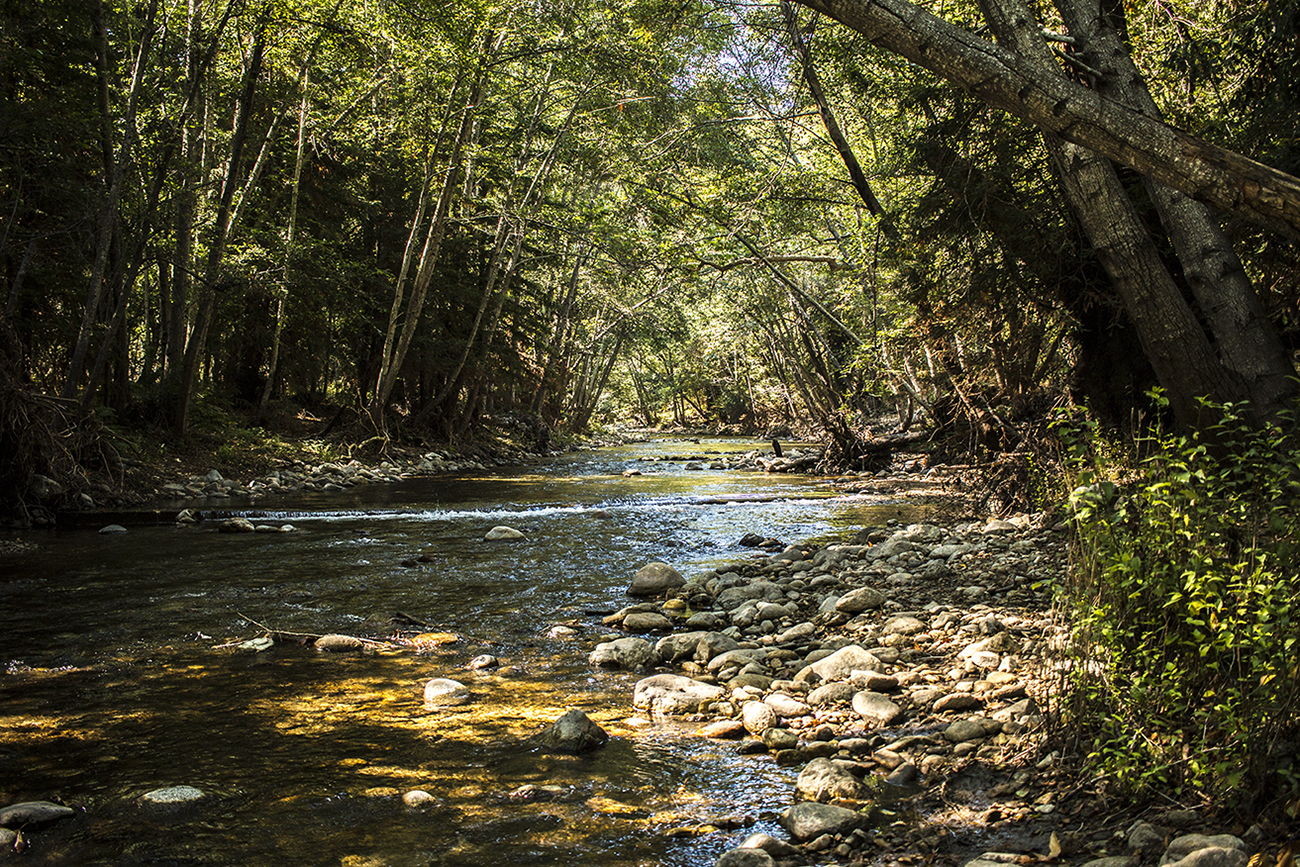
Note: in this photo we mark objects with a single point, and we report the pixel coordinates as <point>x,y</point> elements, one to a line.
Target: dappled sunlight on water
<point>121,676</point>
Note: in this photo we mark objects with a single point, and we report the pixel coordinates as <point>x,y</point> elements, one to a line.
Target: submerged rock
<point>30,813</point>
<point>173,795</point>
<point>339,644</point>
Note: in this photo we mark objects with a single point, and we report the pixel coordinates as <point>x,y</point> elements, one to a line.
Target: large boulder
<point>824,780</point>
<point>808,820</point>
<point>631,654</point>
<point>572,733</point>
<point>673,694</point>
<point>655,579</point>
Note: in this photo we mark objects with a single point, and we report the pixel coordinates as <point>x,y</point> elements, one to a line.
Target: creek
<point>112,687</point>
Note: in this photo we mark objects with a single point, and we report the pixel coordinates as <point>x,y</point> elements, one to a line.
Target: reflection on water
<point>113,686</point>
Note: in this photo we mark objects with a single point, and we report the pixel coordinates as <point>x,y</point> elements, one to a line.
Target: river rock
<point>418,799</point>
<point>700,645</point>
<point>503,534</point>
<point>786,705</point>
<point>777,739</point>
<point>339,644</point>
<point>956,701</point>
<point>673,694</point>
<point>173,795</point>
<point>483,662</point>
<point>627,653</point>
<point>838,666</point>
<point>236,525</point>
<point>33,813</point>
<point>857,601</point>
<point>574,732</point>
<point>745,858</point>
<point>971,729</point>
<point>646,621</point>
<point>1213,856</point>
<point>769,844</point>
<point>1189,844</point>
<point>724,728</point>
<point>824,780</point>
<point>654,579</point>
<point>808,820</point>
<point>444,692</point>
<point>112,530</point>
<point>875,708</point>
<point>836,692</point>
<point>902,624</point>
<point>758,717</point>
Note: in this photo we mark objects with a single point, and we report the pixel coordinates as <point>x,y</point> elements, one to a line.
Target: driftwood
<point>876,453</point>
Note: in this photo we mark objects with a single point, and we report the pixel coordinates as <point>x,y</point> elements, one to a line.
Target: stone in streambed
<point>646,621</point>
<point>33,813</point>
<point>838,666</point>
<point>236,525</point>
<point>112,530</point>
<point>173,795</point>
<point>758,717</point>
<point>1218,850</point>
<point>745,858</point>
<point>630,654</point>
<point>824,780</point>
<point>655,579</point>
<point>444,692</point>
<point>339,644</point>
<point>809,820</point>
<point>574,732</point>
<point>857,601</point>
<point>875,708</point>
<point>503,534</point>
<point>700,645</point>
<point>673,694</point>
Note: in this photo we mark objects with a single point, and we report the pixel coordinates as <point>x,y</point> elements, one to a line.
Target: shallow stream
<point>111,684</point>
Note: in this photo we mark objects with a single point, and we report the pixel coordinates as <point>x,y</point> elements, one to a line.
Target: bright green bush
<point>1183,675</point>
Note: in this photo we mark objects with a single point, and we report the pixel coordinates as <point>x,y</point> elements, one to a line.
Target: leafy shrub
<point>1184,600</point>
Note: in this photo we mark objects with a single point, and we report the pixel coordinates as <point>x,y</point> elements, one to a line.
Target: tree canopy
<point>691,213</point>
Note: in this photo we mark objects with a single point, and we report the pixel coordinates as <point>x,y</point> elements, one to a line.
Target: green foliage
<point>1186,611</point>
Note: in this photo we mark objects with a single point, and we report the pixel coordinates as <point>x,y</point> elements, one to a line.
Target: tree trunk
<point>1171,337</point>
<point>1246,341</point>
<point>1216,176</point>
<point>197,344</point>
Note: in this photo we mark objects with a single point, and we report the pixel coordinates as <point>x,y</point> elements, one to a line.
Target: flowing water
<point>113,683</point>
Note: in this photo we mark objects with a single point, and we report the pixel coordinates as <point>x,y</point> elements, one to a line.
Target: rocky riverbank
<point>909,676</point>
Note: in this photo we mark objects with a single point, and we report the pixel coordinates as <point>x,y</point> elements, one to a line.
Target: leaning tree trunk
<point>1172,339</point>
<point>1208,173</point>
<point>1246,341</point>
